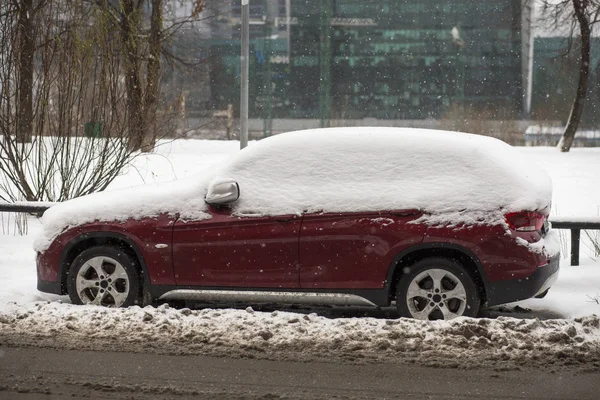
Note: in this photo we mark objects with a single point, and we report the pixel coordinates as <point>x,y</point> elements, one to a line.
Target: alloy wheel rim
<point>102,281</point>
<point>436,294</point>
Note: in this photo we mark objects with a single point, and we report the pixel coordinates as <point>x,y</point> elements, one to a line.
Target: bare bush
<point>489,121</point>
<point>80,87</point>
<point>77,143</point>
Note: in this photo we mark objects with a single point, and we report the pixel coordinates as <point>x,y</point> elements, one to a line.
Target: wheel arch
<point>90,239</point>
<point>446,250</point>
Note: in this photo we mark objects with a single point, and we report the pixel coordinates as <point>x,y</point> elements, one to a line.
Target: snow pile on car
<point>463,342</point>
<point>454,177</point>
<point>460,177</point>
<point>184,196</point>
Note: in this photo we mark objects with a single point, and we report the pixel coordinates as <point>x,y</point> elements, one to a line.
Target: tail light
<point>525,221</point>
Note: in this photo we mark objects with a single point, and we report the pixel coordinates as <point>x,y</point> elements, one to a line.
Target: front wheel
<point>104,276</point>
<point>437,288</point>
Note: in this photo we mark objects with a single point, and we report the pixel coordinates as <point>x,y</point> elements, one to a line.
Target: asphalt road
<point>33,373</point>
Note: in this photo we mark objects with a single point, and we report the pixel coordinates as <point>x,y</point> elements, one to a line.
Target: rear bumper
<point>501,292</point>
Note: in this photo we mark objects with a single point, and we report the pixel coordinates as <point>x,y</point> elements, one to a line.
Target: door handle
<point>284,220</point>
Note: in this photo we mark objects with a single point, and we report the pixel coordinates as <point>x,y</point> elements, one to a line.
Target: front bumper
<point>501,292</point>
<point>47,275</point>
<point>49,287</point>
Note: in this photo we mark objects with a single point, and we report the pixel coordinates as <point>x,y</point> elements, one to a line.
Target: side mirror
<point>222,192</point>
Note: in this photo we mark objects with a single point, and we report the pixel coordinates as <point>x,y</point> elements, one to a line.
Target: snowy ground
<point>571,338</point>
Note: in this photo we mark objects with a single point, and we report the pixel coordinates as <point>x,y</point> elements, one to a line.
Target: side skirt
<point>369,298</point>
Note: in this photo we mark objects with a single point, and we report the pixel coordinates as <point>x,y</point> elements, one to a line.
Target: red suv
<point>440,223</point>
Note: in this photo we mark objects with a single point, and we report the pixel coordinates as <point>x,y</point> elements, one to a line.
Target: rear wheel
<point>437,288</point>
<point>104,276</point>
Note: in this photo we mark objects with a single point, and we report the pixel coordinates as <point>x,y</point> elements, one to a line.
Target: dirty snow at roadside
<point>464,342</point>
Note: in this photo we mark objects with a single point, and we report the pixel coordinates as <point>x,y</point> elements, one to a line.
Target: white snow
<point>546,132</point>
<point>576,187</point>
<point>548,246</point>
<point>575,294</point>
<point>455,177</point>
<point>365,169</point>
<point>176,184</point>
<point>184,196</point>
<point>18,279</point>
<point>254,333</point>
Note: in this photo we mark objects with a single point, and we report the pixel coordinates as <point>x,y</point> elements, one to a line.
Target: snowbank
<point>462,342</point>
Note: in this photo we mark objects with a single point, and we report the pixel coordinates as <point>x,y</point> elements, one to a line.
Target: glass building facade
<point>387,59</point>
<point>555,78</point>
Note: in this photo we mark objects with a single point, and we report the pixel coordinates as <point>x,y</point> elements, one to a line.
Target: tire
<point>436,288</point>
<point>104,276</point>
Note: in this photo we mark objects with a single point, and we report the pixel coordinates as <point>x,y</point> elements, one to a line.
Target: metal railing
<point>575,225</point>
<point>33,207</point>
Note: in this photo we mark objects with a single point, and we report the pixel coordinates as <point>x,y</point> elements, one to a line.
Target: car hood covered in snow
<point>453,177</point>
<point>184,197</point>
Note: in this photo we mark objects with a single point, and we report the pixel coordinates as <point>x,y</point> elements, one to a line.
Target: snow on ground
<point>575,179</point>
<point>28,316</point>
<point>176,159</point>
<point>575,294</point>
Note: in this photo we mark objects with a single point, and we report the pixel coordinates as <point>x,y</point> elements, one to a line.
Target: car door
<point>353,250</point>
<point>237,251</point>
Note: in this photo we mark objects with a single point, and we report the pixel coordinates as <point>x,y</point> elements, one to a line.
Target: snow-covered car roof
<point>453,177</point>
<point>364,169</point>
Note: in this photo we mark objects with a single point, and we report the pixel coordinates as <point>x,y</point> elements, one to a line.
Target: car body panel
<point>340,253</point>
<point>353,251</point>
<point>151,239</point>
<point>506,291</point>
<point>233,251</point>
<point>495,247</point>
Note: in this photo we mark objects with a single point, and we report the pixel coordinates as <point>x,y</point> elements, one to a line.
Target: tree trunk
<point>24,115</point>
<point>580,7</point>
<point>153,77</point>
<point>130,16</point>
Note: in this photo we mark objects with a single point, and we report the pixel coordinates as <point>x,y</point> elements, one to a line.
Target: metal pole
<point>325,64</point>
<point>267,75</point>
<point>575,239</point>
<point>245,57</point>
<point>288,21</point>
